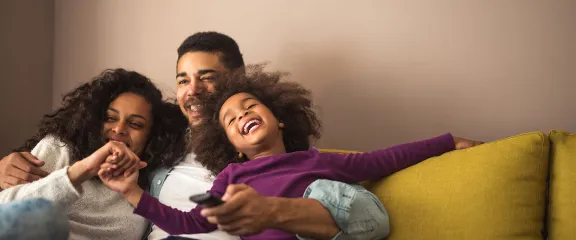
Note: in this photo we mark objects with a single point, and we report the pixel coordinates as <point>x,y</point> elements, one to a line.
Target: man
<point>200,58</point>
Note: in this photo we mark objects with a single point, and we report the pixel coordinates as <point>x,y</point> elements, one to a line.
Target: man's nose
<point>195,88</point>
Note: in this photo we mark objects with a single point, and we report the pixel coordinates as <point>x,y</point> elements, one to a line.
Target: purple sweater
<point>288,175</point>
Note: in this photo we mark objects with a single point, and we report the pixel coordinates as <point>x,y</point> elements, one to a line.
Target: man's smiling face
<point>196,74</point>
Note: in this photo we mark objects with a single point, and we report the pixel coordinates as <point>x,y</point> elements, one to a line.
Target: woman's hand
<point>124,164</point>
<point>88,167</point>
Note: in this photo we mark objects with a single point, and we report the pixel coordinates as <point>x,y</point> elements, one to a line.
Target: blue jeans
<point>358,213</point>
<point>33,219</point>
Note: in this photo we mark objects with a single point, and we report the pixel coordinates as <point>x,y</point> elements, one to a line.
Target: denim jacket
<point>157,179</point>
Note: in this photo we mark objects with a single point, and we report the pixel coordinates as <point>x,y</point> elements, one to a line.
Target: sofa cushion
<point>562,215</point>
<point>492,191</point>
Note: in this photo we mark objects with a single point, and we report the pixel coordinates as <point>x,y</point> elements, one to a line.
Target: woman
<point>117,112</point>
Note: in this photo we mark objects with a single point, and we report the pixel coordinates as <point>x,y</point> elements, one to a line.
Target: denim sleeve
<point>33,219</point>
<point>357,212</point>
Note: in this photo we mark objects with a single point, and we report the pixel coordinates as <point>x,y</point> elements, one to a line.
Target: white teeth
<point>194,107</point>
<point>250,123</point>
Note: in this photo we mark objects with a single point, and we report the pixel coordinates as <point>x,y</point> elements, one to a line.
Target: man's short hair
<point>214,42</point>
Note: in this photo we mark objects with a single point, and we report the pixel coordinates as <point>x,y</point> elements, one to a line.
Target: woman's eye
<point>231,120</point>
<point>251,106</point>
<point>110,119</point>
<point>136,125</point>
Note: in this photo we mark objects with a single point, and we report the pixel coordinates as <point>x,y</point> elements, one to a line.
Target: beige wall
<point>383,72</point>
<point>26,62</point>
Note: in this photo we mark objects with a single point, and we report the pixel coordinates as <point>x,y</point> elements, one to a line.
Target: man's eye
<point>209,78</point>
<point>183,81</point>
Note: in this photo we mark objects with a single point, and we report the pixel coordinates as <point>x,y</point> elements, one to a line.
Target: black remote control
<point>206,200</point>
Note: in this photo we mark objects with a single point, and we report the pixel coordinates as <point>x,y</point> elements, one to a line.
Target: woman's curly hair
<point>78,122</point>
<point>289,101</point>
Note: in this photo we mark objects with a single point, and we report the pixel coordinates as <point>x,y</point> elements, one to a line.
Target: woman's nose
<point>119,128</point>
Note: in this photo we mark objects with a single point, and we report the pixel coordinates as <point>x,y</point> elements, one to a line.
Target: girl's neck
<point>267,151</point>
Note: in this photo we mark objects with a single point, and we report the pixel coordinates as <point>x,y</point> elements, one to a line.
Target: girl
<point>262,126</point>
<point>119,113</point>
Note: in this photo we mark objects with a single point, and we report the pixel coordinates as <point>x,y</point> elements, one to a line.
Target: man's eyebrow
<point>181,74</point>
<point>204,71</point>
<point>199,72</point>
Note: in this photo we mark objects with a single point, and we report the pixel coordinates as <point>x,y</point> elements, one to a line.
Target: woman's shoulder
<point>51,140</point>
<point>53,152</point>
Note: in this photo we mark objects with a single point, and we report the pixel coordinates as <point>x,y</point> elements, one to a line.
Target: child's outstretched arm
<point>172,220</point>
<point>126,185</point>
<point>374,165</point>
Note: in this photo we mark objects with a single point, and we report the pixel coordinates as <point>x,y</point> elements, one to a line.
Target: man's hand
<point>20,168</point>
<point>461,143</point>
<point>244,213</point>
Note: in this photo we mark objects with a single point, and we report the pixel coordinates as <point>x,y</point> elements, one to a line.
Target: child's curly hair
<point>289,101</point>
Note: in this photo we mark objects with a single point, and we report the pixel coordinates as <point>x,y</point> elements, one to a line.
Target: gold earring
<point>240,155</point>
<point>281,125</point>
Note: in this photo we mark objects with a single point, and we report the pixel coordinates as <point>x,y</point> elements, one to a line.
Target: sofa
<point>521,187</point>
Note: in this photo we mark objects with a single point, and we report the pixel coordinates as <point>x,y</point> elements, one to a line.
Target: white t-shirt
<point>186,179</point>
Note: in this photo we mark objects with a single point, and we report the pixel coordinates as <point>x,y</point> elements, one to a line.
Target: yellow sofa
<point>521,187</point>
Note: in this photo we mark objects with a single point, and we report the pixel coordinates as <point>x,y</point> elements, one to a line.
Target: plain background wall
<point>26,63</point>
<point>383,72</point>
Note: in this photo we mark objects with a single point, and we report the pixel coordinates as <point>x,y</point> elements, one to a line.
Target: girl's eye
<point>231,120</point>
<point>110,119</point>
<point>251,106</point>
